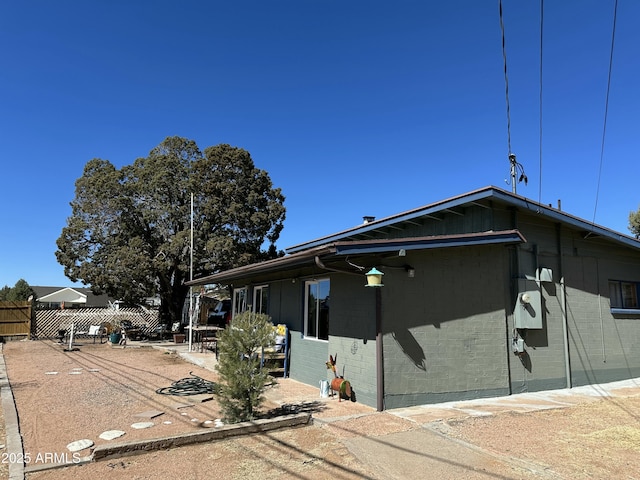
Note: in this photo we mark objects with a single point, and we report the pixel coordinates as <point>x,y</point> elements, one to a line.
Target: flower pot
<point>178,337</point>
<point>115,338</point>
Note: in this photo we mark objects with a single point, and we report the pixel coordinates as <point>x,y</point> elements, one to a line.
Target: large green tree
<point>129,233</point>
<point>634,223</point>
<point>21,291</point>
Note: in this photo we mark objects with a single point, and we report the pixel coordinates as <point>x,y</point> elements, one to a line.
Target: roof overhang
<point>308,258</point>
<point>423,243</point>
<point>484,198</point>
<point>277,264</point>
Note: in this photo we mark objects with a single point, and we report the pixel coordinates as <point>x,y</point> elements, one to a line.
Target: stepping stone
<point>75,372</point>
<point>50,373</point>
<point>141,425</point>
<point>93,370</point>
<point>166,422</point>
<point>149,414</point>
<point>200,398</point>
<point>79,445</point>
<point>178,406</point>
<point>111,434</point>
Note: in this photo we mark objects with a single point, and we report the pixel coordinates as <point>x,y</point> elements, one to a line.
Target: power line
<point>514,166</point>
<point>506,80</point>
<point>606,107</point>
<point>541,30</point>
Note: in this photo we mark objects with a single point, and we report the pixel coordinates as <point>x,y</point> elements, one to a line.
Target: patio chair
<point>95,331</point>
<point>209,342</point>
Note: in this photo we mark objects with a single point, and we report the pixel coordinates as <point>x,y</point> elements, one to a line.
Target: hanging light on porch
<point>374,278</point>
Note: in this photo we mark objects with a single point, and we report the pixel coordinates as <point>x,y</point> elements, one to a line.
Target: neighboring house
<point>57,308</point>
<point>484,294</point>
<point>68,297</point>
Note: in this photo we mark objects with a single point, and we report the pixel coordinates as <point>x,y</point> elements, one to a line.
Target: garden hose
<point>192,385</point>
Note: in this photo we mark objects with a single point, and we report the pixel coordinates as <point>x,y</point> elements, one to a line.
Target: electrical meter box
<point>527,312</point>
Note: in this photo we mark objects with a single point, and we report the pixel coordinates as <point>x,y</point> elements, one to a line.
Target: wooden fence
<point>15,319</point>
<point>48,322</point>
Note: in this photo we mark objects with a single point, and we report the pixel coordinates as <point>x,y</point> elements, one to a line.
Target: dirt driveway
<point>63,396</point>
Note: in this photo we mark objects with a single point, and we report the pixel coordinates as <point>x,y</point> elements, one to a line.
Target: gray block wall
<point>445,329</point>
<point>353,336</point>
<point>604,347</point>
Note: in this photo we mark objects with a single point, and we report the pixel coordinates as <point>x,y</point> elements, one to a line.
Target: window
<point>623,294</point>
<point>316,312</point>
<point>261,299</point>
<point>239,301</point>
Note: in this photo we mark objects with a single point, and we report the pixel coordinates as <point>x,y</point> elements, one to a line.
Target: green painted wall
<point>445,329</point>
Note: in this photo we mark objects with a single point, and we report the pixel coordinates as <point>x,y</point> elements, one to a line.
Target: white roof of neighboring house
<point>66,295</point>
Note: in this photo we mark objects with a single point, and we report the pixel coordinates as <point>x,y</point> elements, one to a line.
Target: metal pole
<point>71,336</point>
<point>190,279</point>
<point>379,353</point>
<point>512,161</point>
<point>565,331</point>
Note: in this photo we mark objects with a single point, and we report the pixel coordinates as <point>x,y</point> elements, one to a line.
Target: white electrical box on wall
<point>544,274</point>
<point>527,312</point>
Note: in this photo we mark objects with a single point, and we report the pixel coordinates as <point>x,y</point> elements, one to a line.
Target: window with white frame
<point>316,311</point>
<point>239,300</point>
<point>623,294</point>
<point>261,299</point>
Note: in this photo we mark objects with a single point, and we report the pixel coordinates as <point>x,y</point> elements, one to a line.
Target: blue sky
<point>353,107</point>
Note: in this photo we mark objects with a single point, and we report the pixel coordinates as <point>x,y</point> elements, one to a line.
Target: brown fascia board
<point>436,207</point>
<point>306,257</point>
<point>434,241</point>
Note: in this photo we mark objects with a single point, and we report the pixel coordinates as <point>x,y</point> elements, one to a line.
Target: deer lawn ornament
<point>338,384</point>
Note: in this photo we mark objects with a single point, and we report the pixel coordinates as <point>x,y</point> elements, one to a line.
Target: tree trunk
<point>172,297</point>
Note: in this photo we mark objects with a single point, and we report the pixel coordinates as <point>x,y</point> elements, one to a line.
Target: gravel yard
<point>62,397</point>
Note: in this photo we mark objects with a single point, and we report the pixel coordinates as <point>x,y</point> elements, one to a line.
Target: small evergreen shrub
<point>242,381</point>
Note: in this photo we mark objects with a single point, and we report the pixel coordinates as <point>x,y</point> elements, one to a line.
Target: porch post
<point>379,350</point>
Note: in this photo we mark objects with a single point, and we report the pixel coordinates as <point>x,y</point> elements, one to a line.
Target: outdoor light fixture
<point>374,278</point>
<point>411,272</point>
<point>525,298</point>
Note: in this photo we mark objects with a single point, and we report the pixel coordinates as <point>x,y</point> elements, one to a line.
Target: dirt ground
<point>63,396</point>
<point>595,440</point>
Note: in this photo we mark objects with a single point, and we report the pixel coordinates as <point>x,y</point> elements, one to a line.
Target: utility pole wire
<point>506,80</point>
<point>541,30</point>
<point>514,166</point>
<point>606,107</point>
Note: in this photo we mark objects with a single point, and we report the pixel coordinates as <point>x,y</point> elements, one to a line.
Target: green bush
<point>242,381</point>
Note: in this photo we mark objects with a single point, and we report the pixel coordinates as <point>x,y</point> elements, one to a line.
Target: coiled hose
<point>192,385</point>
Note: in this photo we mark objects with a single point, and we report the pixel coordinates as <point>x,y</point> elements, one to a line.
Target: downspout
<point>321,265</point>
<point>563,307</point>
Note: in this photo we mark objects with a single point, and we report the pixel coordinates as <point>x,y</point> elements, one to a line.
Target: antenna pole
<point>513,163</point>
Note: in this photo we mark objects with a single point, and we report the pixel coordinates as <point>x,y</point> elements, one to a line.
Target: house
<point>66,297</point>
<point>57,308</point>
<point>484,294</point>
